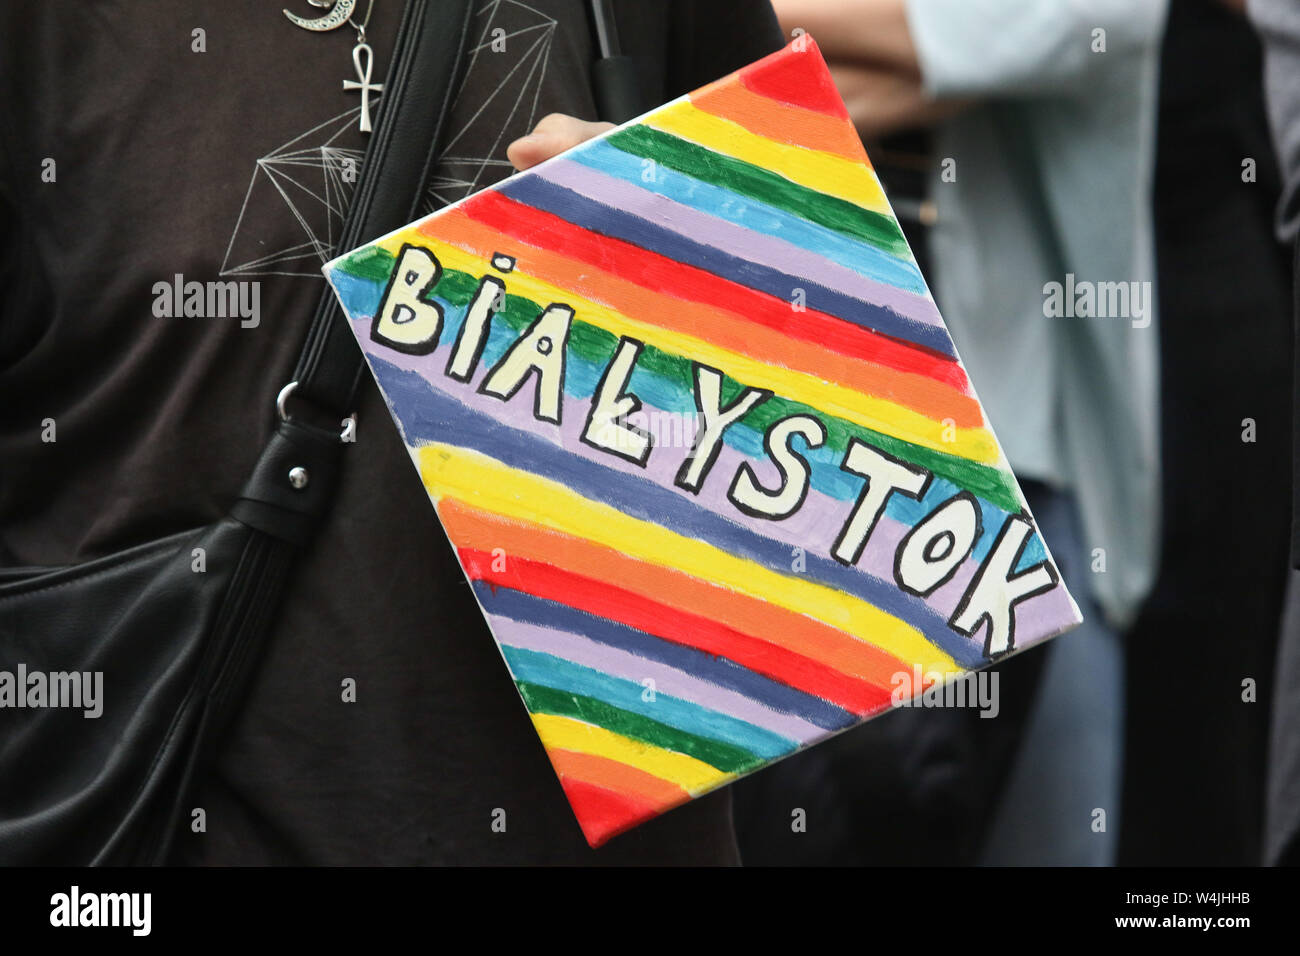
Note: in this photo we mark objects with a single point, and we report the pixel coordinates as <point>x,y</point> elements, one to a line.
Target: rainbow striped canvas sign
<point>693,423</point>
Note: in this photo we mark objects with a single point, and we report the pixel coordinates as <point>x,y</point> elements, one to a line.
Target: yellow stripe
<point>564,733</point>
<point>878,414</point>
<point>817,170</point>
<point>485,483</point>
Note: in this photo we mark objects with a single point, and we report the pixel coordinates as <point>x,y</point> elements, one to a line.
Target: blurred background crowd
<point>1024,144</point>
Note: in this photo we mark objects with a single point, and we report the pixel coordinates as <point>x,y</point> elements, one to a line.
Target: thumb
<point>550,137</point>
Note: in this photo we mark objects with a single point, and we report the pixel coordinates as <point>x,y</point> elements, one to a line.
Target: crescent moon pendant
<point>339,15</point>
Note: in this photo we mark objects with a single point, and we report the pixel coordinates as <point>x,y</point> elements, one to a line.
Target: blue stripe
<point>500,601</point>
<point>863,258</point>
<point>556,673</point>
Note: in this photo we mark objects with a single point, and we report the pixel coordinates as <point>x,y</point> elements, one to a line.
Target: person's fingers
<point>553,135</point>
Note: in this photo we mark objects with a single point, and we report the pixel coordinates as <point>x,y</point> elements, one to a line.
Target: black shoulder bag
<point>176,644</point>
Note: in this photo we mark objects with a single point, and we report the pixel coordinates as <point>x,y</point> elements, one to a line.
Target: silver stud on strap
<point>298,477</point>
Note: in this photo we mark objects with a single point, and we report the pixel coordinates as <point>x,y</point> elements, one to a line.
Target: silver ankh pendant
<point>362,82</point>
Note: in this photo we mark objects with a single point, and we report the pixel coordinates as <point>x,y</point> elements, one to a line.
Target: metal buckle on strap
<point>282,409</point>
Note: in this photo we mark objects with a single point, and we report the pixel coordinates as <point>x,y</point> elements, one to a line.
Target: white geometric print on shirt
<point>470,160</point>
<point>314,180</point>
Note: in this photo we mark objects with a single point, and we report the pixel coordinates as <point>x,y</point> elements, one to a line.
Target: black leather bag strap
<point>417,95</point>
<point>411,119</point>
<point>1295,408</point>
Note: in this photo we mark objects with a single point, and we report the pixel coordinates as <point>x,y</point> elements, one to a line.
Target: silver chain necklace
<point>340,12</point>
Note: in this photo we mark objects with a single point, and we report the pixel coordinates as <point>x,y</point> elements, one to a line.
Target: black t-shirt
<point>153,140</point>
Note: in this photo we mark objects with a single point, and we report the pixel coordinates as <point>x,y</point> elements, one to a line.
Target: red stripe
<point>544,230</point>
<point>680,627</point>
<point>604,814</point>
<point>797,77</point>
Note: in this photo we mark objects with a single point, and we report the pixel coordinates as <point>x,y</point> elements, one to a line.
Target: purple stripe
<point>667,680</point>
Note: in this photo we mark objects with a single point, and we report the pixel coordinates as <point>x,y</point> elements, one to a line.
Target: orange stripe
<point>779,122</point>
<point>619,777</point>
<point>471,527</point>
<point>919,393</point>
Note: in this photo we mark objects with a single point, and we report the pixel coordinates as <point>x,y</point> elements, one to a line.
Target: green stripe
<point>597,345</point>
<point>749,180</point>
<point>372,262</point>
<point>723,756</point>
